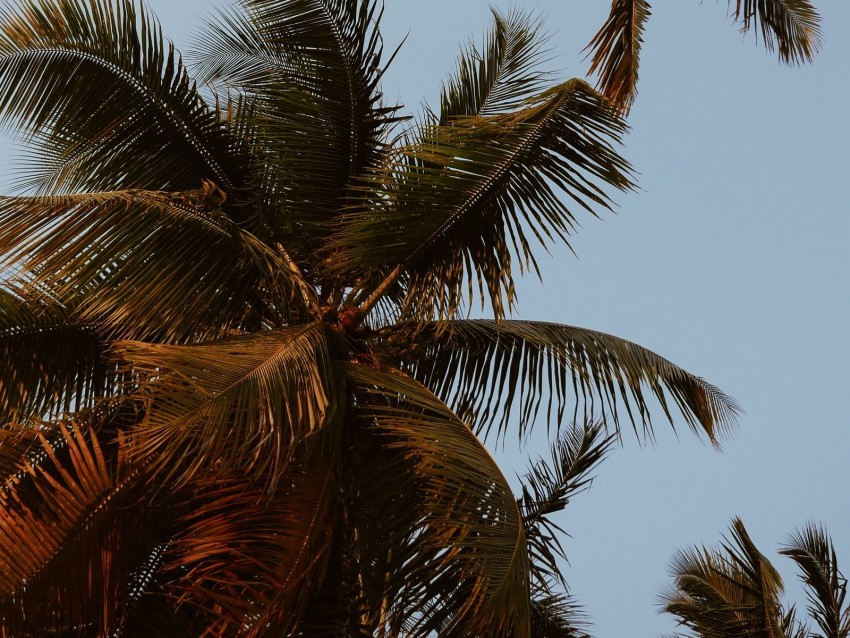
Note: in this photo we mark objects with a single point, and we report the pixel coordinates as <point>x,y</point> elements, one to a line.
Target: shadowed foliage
<point>735,592</point>
<point>241,391</point>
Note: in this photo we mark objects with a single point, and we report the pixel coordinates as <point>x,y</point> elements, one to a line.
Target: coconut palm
<point>241,391</point>
<point>734,591</point>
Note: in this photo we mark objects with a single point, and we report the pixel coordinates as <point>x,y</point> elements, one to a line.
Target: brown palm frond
<point>615,51</point>
<point>466,564</point>
<point>243,402</point>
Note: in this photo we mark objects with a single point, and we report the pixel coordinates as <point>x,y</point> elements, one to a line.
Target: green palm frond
<point>253,560</point>
<point>790,26</point>
<point>813,551</point>
<point>54,363</point>
<point>615,51</point>
<point>732,592</point>
<point>453,207</point>
<point>494,371</point>
<point>501,75</point>
<point>547,488</point>
<point>146,262</point>
<point>110,104</point>
<point>243,402</point>
<point>312,67</point>
<point>70,515</point>
<point>466,567</point>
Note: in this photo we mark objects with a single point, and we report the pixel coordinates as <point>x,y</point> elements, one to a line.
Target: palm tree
<point>241,393</point>
<point>735,592</point>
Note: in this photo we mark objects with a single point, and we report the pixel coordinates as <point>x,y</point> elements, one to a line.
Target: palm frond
<point>465,567</point>
<point>146,262</point>
<point>252,560</point>
<point>54,361</point>
<point>615,51</point>
<point>813,551</point>
<point>312,68</point>
<point>71,533</point>
<point>547,488</point>
<point>494,371</point>
<point>453,207</point>
<point>790,26</point>
<point>109,103</point>
<point>728,593</point>
<point>501,75</point>
<point>242,402</point>
<point>557,616</point>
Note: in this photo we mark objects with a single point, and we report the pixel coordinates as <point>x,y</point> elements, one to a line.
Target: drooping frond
<point>547,488</point>
<point>52,362</point>
<point>501,75</point>
<point>147,263</point>
<point>108,102</point>
<point>250,559</point>
<point>557,616</point>
<point>494,371</point>
<point>812,550</point>
<point>464,568</point>
<point>242,402</point>
<point>790,26</point>
<point>732,592</point>
<point>71,532</point>
<point>615,51</point>
<point>453,207</point>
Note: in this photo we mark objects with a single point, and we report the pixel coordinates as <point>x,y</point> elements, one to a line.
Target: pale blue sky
<point>732,261</point>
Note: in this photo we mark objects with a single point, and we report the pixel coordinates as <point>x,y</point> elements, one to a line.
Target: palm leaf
<point>54,361</point>
<point>790,26</point>
<point>71,533</point>
<point>494,371</point>
<point>728,593</point>
<point>243,402</point>
<point>556,616</point>
<point>499,76</point>
<point>812,550</point>
<point>248,558</point>
<point>110,104</point>
<point>453,207</point>
<point>547,488</point>
<point>312,69</point>
<point>146,262</point>
<point>466,565</point>
<point>615,51</point>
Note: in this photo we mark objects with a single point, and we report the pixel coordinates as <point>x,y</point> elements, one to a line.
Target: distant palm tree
<point>735,592</point>
<point>239,391</point>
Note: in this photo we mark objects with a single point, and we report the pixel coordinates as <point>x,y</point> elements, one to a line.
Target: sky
<point>731,260</point>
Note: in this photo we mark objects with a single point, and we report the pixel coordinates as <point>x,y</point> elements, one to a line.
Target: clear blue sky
<point>732,261</point>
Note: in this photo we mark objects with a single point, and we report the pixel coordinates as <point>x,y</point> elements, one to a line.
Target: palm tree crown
<point>241,393</point>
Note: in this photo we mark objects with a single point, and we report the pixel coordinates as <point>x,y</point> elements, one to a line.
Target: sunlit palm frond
<point>53,362</point>
<point>615,51</point>
<point>547,488</point>
<point>813,551</point>
<point>790,26</point>
<point>453,207</point>
<point>499,76</point>
<point>243,402</point>
<point>72,530</point>
<point>494,371</point>
<point>148,263</point>
<point>108,101</point>
<point>253,559</point>
<point>465,568</point>
<point>732,592</point>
